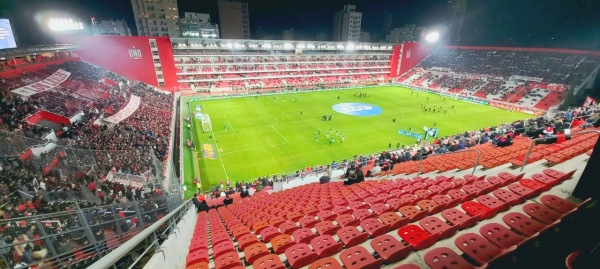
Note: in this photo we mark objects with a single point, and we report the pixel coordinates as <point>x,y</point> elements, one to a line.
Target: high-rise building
<point>346,24</point>
<point>458,8</point>
<point>402,34</point>
<point>156,17</point>
<point>234,19</point>
<point>288,34</point>
<point>198,25</point>
<point>110,27</point>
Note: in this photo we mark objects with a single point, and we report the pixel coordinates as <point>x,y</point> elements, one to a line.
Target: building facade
<point>110,27</point>
<point>198,25</point>
<point>234,19</point>
<point>156,17</point>
<point>402,34</point>
<point>347,24</point>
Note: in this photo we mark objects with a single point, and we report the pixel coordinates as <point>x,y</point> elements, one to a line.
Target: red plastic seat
<point>381,208</point>
<point>536,186</point>
<point>363,213</point>
<point>294,216</point>
<point>271,261</point>
<point>238,232</point>
<point>396,203</point>
<point>325,245</point>
<point>202,243</point>
<point>444,201</point>
<point>303,235</point>
<point>545,179</point>
<point>288,227</point>
<point>409,199</point>
<point>228,261</point>
<point>199,265</point>
<point>437,226</point>
<point>430,206</point>
<point>310,210</point>
<point>346,220</point>
<point>459,195</point>
<point>425,194</point>
<point>308,222</point>
<point>351,236</point>
<point>521,190</point>
<point>326,227</point>
<point>326,263</point>
<point>493,204</point>
<point>507,176</point>
<point>269,233</point>
<point>247,240</point>
<point>484,186</point>
<point>358,205</point>
<point>497,181</point>
<point>325,206</point>
<point>259,226</point>
<point>276,221</point>
<point>373,200</point>
<point>509,197</point>
<point>326,215</point>
<point>222,248</point>
<point>558,174</point>
<point>394,220</point>
<point>417,237</point>
<point>475,209</point>
<point>561,205</point>
<point>374,227</point>
<point>471,191</point>
<point>281,243</point>
<point>542,213</point>
<point>477,248</point>
<point>459,181</point>
<point>445,258</point>
<point>501,236</point>
<point>390,249</point>
<point>412,213</point>
<point>341,210</point>
<point>458,218</point>
<point>339,202</point>
<point>300,255</point>
<point>200,255</point>
<point>255,251</point>
<point>359,258</point>
<point>523,224</point>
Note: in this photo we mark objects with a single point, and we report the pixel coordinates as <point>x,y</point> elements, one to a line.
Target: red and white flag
<point>589,101</point>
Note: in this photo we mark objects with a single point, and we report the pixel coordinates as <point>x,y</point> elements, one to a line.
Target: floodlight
<point>432,37</point>
<point>288,46</point>
<point>350,46</point>
<point>267,45</point>
<point>63,24</point>
<point>300,46</point>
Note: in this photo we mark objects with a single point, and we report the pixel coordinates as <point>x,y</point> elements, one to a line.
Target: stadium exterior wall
<point>129,56</point>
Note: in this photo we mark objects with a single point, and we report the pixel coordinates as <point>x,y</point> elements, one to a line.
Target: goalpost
<point>206,124</point>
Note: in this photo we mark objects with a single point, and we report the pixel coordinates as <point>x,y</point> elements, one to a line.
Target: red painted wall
<point>167,61</point>
<point>413,54</point>
<point>112,53</point>
<point>51,117</point>
<point>394,61</point>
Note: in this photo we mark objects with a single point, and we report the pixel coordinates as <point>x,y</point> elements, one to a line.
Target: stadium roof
<point>8,53</point>
<point>252,44</point>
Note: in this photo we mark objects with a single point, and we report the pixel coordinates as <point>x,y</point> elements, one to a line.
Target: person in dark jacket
<point>228,200</point>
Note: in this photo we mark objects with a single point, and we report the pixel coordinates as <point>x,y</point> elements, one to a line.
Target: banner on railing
<point>526,78</point>
<point>126,179</point>
<point>128,110</point>
<point>43,85</point>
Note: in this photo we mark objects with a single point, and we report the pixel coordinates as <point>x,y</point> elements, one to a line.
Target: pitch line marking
<point>217,147</point>
<point>229,123</point>
<point>272,125</point>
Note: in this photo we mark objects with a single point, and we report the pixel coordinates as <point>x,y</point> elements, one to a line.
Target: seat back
<point>359,258</point>
<point>445,258</point>
<point>500,236</point>
<point>389,248</point>
<point>477,248</point>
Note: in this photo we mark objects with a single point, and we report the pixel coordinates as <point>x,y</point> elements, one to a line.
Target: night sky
<point>527,23</point>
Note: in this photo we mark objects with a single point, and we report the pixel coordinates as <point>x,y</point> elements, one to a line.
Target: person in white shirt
<point>376,170</point>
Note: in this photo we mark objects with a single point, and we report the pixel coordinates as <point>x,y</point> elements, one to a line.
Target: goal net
<point>205,120</point>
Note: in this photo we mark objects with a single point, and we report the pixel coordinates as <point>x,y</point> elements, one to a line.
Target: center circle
<point>357,109</point>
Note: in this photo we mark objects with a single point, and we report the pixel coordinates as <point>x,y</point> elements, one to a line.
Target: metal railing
<point>75,236</point>
<point>544,138</point>
<point>114,256</point>
<point>460,151</point>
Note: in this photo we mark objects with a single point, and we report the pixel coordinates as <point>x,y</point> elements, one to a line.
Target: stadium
<point>158,152</point>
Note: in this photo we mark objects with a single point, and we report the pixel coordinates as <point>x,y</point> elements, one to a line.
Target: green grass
<point>275,137</point>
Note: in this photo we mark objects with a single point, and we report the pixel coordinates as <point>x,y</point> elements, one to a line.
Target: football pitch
<point>274,134</point>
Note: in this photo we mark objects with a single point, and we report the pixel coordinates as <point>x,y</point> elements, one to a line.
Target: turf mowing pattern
<point>274,134</point>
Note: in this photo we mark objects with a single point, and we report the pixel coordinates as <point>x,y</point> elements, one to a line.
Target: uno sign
<point>135,53</point>
<point>357,109</point>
